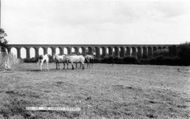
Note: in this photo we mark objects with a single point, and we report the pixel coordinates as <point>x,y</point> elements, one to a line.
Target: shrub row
<point>179,55</point>
<point>162,60</point>
<point>183,52</point>
<point>157,60</point>
<point>117,60</point>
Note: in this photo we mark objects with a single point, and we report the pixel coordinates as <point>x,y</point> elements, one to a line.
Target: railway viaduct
<point>100,51</point>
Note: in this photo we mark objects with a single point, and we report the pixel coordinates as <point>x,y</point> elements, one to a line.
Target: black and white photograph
<point>94,59</point>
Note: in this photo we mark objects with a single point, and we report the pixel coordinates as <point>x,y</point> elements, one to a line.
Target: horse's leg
<point>59,66</point>
<point>72,66</point>
<point>55,65</point>
<point>92,62</point>
<point>76,64</point>
<point>63,65</point>
<point>88,63</point>
<point>82,64</point>
<point>47,66</point>
<point>67,64</point>
<point>41,64</point>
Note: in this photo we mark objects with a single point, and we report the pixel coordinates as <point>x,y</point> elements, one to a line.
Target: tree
<point>3,41</point>
<point>184,53</point>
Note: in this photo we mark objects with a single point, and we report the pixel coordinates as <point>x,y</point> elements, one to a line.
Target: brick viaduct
<point>117,50</point>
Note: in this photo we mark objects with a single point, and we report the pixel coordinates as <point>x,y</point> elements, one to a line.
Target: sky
<point>96,21</point>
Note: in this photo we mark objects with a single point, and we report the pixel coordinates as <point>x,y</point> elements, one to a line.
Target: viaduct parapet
<point>100,51</point>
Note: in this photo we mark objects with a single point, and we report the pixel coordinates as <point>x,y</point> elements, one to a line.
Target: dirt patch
<point>15,107</point>
<point>23,93</point>
<point>122,87</point>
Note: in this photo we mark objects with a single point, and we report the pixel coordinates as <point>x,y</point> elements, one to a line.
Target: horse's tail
<point>83,61</point>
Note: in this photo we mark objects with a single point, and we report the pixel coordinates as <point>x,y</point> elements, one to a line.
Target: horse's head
<point>50,57</point>
<point>94,54</point>
<point>54,56</point>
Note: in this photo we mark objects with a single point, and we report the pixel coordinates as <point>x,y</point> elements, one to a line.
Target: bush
<point>177,55</point>
<point>183,52</point>
<point>30,60</point>
<point>130,60</point>
<point>119,60</point>
<point>165,60</point>
<point>162,52</point>
<point>173,50</point>
<point>96,60</point>
<point>109,60</point>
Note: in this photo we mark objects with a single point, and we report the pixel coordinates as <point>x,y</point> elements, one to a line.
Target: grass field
<point>102,91</point>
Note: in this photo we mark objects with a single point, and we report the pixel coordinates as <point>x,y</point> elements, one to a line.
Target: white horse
<point>76,59</point>
<point>44,58</point>
<point>60,59</point>
<point>89,59</point>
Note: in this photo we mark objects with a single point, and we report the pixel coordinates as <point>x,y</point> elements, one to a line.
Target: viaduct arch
<point>101,51</point>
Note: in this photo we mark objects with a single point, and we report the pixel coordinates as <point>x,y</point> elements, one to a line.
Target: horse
<point>60,59</point>
<point>42,59</point>
<point>75,59</point>
<point>89,59</point>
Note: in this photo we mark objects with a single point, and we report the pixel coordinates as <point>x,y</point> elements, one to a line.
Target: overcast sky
<point>96,21</point>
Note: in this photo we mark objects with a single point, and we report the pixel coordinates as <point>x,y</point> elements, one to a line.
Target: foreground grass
<point>103,91</point>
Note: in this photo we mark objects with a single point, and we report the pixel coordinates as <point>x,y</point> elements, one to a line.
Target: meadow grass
<point>102,91</point>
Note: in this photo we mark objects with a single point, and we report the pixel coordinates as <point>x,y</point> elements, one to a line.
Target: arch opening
<point>122,51</point>
<point>14,51</point>
<point>49,51</point>
<point>32,52</point>
<point>41,51</point>
<point>65,51</point>
<point>57,50</point>
<point>23,52</point>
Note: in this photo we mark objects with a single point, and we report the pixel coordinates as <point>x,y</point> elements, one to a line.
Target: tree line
<point>175,55</point>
